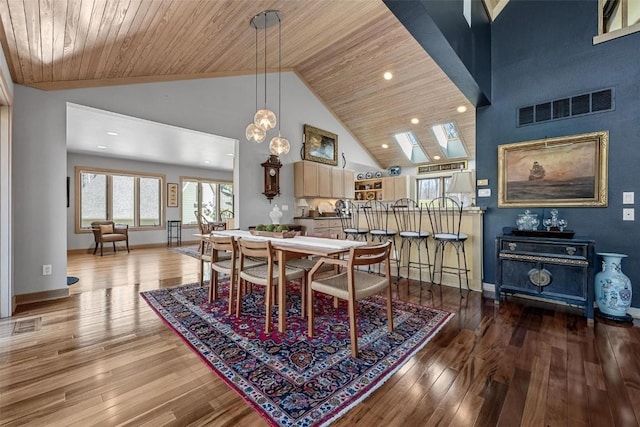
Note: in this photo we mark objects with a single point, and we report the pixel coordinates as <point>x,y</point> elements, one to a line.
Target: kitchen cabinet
<point>326,225</point>
<point>317,180</point>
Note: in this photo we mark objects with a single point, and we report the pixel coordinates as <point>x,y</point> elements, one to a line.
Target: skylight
<point>411,147</point>
<point>449,140</point>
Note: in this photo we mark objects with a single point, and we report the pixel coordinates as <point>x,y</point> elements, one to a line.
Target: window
<point>431,188</point>
<point>411,147</point>
<point>617,18</point>
<point>122,197</point>
<point>205,198</point>
<point>449,140</point>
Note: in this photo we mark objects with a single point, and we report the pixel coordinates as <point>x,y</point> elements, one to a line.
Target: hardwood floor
<point>102,357</point>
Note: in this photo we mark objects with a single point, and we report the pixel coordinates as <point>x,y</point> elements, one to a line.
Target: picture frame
<point>566,171</point>
<point>320,146</point>
<point>172,195</point>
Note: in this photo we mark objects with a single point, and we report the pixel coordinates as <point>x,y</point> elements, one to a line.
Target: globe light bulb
<point>265,119</point>
<point>255,133</point>
<point>279,145</point>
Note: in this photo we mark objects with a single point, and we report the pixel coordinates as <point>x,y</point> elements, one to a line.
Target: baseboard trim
<point>490,287</point>
<point>131,247</point>
<point>41,296</point>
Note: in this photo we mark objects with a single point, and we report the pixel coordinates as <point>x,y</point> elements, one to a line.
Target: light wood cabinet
<point>305,175</point>
<point>318,180</point>
<point>324,180</point>
<point>348,184</point>
<point>321,225</point>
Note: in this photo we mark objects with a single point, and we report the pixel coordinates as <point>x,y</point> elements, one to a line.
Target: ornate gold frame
<point>314,140</point>
<point>575,174</point>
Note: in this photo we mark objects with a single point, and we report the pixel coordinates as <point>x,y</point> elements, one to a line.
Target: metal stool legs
<point>461,268</point>
<point>414,241</point>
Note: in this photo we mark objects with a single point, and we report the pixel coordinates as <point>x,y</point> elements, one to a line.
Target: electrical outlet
<point>484,192</point>
<point>627,197</point>
<point>46,270</point>
<point>628,214</point>
<point>285,207</point>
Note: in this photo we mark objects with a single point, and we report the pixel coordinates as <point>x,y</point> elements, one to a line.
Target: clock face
<point>272,172</point>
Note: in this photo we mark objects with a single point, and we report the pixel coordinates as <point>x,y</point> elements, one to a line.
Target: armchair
<point>108,231</point>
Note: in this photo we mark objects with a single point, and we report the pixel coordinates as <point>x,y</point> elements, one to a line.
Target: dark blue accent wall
<point>463,52</point>
<point>543,50</point>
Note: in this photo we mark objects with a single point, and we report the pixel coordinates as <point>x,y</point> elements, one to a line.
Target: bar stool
<point>445,215</point>
<point>349,215</point>
<point>409,221</point>
<point>377,215</point>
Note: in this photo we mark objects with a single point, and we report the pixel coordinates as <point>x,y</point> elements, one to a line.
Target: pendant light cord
<point>265,59</point>
<point>279,72</point>
<point>256,45</point>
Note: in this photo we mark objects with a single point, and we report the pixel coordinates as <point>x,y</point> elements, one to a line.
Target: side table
<point>174,231</point>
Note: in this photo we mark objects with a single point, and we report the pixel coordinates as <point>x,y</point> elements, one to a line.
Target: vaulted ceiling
<point>340,49</point>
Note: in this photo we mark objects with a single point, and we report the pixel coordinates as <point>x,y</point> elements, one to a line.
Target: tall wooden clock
<point>271,177</point>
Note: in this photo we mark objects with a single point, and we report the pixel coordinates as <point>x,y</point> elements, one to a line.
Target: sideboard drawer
<point>548,248</point>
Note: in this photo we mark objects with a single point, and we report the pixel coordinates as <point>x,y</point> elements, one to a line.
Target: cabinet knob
<point>570,250</point>
<point>513,246</point>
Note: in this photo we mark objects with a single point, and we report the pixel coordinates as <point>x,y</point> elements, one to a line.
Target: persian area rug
<point>192,251</point>
<point>289,378</point>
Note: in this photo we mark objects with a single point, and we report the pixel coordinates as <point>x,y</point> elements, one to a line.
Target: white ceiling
<point>140,139</point>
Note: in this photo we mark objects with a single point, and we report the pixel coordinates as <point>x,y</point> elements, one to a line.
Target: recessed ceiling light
<point>112,133</point>
<point>102,147</point>
<point>462,109</point>
<point>415,120</point>
<point>388,75</point>
<point>230,154</point>
<point>207,161</point>
<point>436,157</point>
<point>385,146</point>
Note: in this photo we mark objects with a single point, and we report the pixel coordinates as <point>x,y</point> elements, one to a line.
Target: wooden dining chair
<point>353,284</point>
<point>227,264</point>
<point>266,275</point>
<point>307,263</point>
<point>206,249</point>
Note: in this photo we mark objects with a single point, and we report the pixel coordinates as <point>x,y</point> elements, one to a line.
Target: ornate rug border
<point>339,412</point>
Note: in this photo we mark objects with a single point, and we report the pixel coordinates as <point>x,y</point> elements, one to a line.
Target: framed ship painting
<point>563,171</point>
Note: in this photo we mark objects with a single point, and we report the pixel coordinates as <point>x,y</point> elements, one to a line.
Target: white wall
<point>6,241</point>
<point>222,106</point>
<point>172,174</point>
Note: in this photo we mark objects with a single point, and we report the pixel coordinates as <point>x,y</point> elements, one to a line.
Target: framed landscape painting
<point>563,171</point>
<point>320,146</point>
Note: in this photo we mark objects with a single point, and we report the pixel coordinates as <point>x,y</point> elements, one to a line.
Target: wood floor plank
<point>103,357</point>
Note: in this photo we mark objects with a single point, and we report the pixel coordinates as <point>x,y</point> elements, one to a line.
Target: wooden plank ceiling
<point>339,48</point>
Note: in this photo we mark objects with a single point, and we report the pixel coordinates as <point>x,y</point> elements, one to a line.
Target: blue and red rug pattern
<point>289,378</point>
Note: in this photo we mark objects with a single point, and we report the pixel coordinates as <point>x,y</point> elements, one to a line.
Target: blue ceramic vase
<point>612,287</point>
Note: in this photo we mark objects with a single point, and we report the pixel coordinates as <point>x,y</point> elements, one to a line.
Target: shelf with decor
<point>382,188</point>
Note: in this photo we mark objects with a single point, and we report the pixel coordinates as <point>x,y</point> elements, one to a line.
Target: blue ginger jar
<point>612,287</point>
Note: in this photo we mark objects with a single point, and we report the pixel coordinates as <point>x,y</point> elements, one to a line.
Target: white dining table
<point>298,245</point>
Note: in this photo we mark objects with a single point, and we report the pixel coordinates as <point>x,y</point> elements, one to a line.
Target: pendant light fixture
<point>265,119</point>
<point>278,144</point>
<point>253,132</point>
